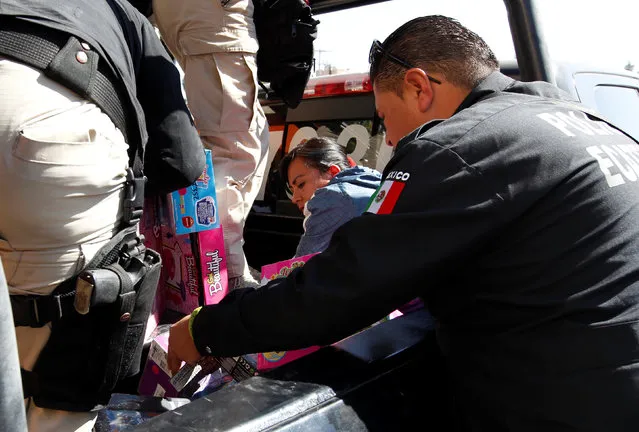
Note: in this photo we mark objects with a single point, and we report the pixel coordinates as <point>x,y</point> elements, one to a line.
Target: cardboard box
<point>156,377</point>
<point>195,270</point>
<point>270,360</point>
<point>194,262</point>
<point>194,266</point>
<point>195,209</point>
<point>180,279</point>
<point>282,268</point>
<point>240,367</point>
<point>273,359</point>
<point>213,265</point>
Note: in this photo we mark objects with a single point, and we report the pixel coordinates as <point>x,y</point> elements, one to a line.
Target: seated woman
<point>327,187</point>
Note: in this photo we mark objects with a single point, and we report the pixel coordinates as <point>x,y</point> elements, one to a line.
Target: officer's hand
<point>181,346</point>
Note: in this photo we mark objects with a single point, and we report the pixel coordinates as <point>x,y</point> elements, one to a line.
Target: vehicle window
<point>620,104</point>
<point>604,34</point>
<point>344,37</point>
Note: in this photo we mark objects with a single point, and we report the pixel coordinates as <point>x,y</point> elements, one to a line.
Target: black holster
<point>88,354</point>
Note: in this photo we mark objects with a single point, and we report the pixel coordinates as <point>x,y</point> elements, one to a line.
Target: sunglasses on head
<point>377,52</point>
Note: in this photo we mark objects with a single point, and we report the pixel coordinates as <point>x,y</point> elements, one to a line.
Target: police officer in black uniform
<point>511,210</point>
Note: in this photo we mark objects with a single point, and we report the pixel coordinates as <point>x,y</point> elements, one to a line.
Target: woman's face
<point>305,180</point>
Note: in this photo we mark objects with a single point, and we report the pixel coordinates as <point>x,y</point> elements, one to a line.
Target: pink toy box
<point>180,274</point>
<point>282,268</point>
<point>270,360</point>
<point>212,259</point>
<point>194,269</point>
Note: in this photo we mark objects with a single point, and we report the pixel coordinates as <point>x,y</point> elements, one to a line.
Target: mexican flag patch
<point>386,197</point>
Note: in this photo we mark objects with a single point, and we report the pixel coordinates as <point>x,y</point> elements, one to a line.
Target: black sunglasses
<point>377,51</point>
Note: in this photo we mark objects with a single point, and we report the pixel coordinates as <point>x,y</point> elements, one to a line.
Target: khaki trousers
<point>215,44</point>
<point>62,169</point>
<point>221,95</point>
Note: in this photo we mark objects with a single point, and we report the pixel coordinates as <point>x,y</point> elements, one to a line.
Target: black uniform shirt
<point>517,221</point>
<point>128,43</point>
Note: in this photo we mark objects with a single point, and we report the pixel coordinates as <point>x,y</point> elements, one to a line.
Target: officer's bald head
<point>439,45</point>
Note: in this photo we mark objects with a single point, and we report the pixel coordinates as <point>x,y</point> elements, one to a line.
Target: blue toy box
<point>195,208</point>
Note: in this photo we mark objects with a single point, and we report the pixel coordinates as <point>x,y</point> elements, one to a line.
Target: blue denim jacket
<point>345,197</point>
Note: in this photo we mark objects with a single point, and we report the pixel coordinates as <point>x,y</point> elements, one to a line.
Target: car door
<point>615,95</point>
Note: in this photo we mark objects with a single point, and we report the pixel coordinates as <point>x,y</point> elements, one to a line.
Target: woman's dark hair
<point>319,153</point>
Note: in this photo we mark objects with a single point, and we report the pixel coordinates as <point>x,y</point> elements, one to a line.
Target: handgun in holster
<point>99,342</point>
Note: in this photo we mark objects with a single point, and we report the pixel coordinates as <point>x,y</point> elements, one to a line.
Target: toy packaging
<point>194,273</point>
<point>156,377</point>
<point>180,281</point>
<point>194,270</point>
<point>239,368</point>
<point>270,360</point>
<point>212,260</point>
<point>194,267</point>
<point>194,209</point>
<point>282,268</point>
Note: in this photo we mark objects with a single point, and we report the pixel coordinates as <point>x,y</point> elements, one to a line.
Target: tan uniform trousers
<point>215,45</point>
<point>62,169</point>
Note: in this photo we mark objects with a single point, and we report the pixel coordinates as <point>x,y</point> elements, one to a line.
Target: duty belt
<point>76,293</point>
<point>36,311</point>
<point>92,287</point>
